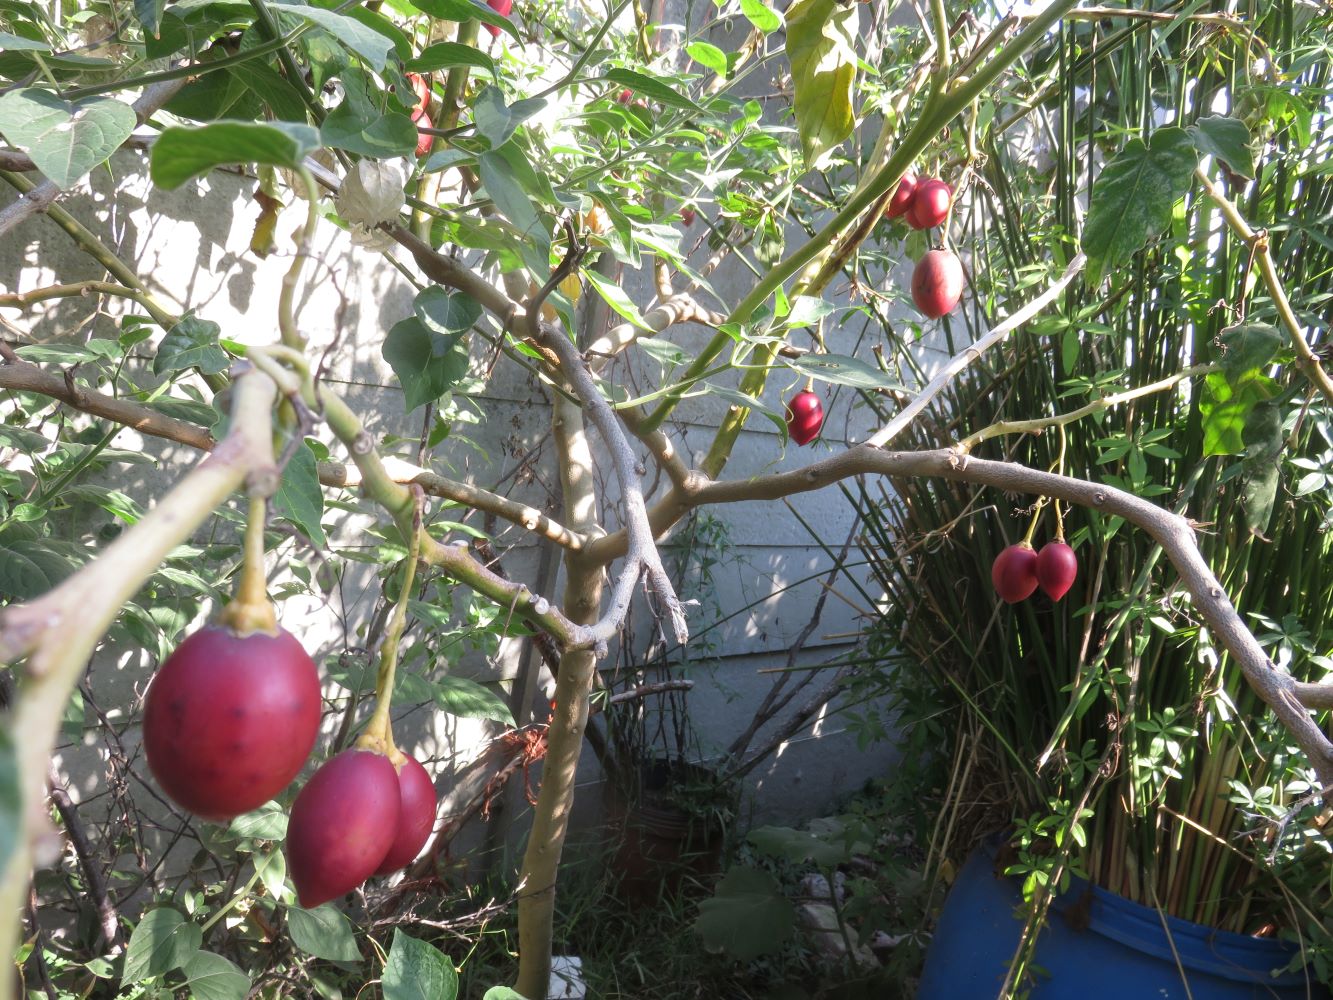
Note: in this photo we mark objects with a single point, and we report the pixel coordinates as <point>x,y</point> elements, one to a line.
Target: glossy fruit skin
<point>1057,568</point>
<point>501,7</point>
<point>342,825</point>
<point>805,417</point>
<point>229,720</point>
<point>930,203</point>
<point>420,87</point>
<point>625,96</point>
<point>1014,573</point>
<point>902,197</point>
<point>937,283</point>
<point>416,817</point>
<point>424,139</point>
<point>687,216</point>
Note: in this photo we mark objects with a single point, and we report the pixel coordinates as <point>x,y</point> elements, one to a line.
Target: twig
<point>107,918</point>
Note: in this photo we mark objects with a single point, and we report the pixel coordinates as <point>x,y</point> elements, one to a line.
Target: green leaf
<point>300,498</point>
<point>470,700</point>
<point>64,140</point>
<point>362,124</point>
<point>1241,386</point>
<point>799,846</point>
<point>511,200</point>
<point>450,314</point>
<point>708,56</point>
<point>191,343</point>
<point>212,977</point>
<point>748,915</point>
<point>761,15</point>
<point>149,13</point>
<point>367,43</point>
<point>324,932</point>
<point>466,10</point>
<point>616,298</point>
<point>182,153</point>
<point>443,55</point>
<point>163,940</point>
<point>11,814</point>
<point>842,370</point>
<point>1225,139</point>
<point>271,866</point>
<point>1264,441</point>
<point>426,362</point>
<point>502,993</point>
<point>417,971</point>
<point>650,86</point>
<point>822,53</point>
<point>29,567</point>
<point>1133,197</point>
<point>15,43</point>
<point>268,822</point>
<point>497,121</point>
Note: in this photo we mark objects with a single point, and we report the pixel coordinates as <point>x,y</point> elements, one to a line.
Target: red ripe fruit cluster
<point>501,7</point>
<point>1019,570</point>
<point>937,283</point>
<point>805,417</point>
<point>924,201</point>
<point>357,816</point>
<point>229,720</point>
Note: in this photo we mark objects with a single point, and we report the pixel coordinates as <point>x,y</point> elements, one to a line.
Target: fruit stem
<point>378,734</point>
<point>1059,471</point>
<point>1032,528</point>
<point>250,610</point>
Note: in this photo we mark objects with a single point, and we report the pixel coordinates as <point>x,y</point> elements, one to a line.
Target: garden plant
<point>561,190</point>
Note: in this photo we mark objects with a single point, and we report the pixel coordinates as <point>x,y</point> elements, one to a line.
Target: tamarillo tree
<point>515,227</point>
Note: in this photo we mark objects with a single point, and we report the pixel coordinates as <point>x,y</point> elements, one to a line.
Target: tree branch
<point>1258,244</point>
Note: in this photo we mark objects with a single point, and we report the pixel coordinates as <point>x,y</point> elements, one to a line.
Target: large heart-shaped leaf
<point>1133,196</point>
<point>748,915</point>
<point>64,140</point>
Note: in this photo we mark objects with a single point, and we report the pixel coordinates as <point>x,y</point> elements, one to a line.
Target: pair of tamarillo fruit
<point>230,720</point>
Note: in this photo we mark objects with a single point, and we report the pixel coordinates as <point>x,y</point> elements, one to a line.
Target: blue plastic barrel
<point>1124,952</point>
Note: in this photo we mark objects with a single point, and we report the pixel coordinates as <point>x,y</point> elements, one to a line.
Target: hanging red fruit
<point>230,719</point>
<point>1014,573</point>
<point>805,417</point>
<point>342,825</point>
<point>1057,567</point>
<point>416,817</point>
<point>902,197</point>
<point>937,283</point>
<point>501,7</point>
<point>930,203</point>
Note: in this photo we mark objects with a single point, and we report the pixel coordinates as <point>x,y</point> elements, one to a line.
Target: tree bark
<point>564,739</point>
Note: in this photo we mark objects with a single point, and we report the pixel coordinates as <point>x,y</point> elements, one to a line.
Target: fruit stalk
<point>251,610</point>
<point>379,730</point>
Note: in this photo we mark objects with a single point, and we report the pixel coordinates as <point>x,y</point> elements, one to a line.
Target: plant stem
<point>380,728</point>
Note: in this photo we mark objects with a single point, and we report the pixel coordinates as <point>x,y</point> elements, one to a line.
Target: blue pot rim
<point>1216,952</point>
